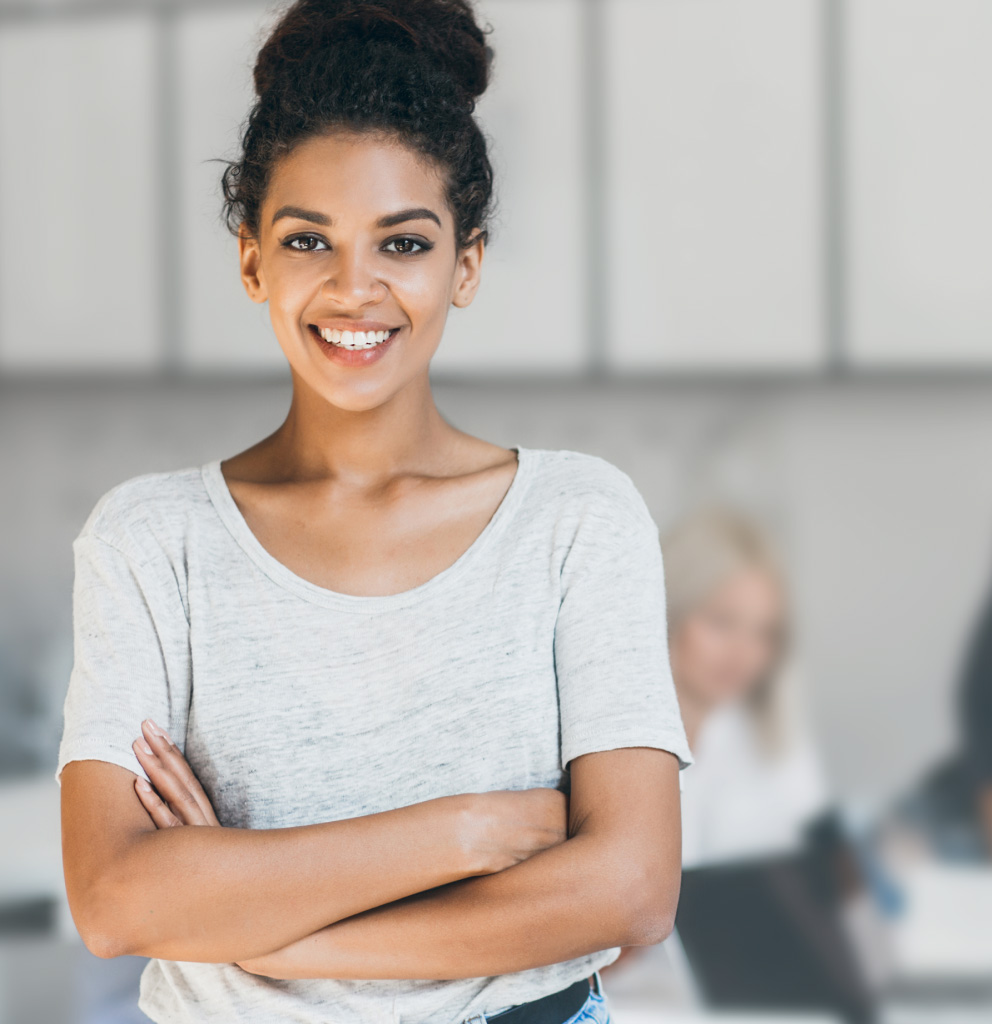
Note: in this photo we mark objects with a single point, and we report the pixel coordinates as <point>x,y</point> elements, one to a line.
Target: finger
<point>170,788</point>
<point>155,806</point>
<point>173,757</point>
<point>170,754</point>
<point>166,786</point>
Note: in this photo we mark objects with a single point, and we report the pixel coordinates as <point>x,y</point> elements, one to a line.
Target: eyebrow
<point>300,214</point>
<point>421,213</point>
<point>388,221</point>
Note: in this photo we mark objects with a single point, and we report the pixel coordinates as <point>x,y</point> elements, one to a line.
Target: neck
<point>318,440</point>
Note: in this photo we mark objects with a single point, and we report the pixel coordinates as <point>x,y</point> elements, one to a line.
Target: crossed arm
<point>464,886</point>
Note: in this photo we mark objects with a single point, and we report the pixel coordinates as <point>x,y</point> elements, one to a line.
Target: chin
<point>720,695</point>
<point>353,398</point>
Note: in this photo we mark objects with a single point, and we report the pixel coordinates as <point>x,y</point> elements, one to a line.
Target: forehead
<point>752,585</point>
<point>355,177</point>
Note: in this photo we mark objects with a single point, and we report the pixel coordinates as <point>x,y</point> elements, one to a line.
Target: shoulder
<point>146,513</point>
<point>587,485</point>
<point>592,514</point>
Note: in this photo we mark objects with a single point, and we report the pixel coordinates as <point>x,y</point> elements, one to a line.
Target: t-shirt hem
<point>592,743</point>
<point>121,757</point>
<point>581,967</point>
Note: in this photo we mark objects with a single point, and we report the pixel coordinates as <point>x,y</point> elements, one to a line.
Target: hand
<point>502,828</point>
<point>177,797</point>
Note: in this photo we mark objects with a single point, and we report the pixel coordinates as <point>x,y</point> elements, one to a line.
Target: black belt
<point>553,1009</point>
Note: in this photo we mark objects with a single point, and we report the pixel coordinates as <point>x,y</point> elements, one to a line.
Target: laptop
<point>767,934</point>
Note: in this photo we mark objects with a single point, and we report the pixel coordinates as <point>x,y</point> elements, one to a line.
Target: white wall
<point>673,193</point>
<point>918,166</point>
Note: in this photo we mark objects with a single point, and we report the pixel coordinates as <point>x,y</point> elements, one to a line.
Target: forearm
<point>581,896</point>
<point>221,894</point>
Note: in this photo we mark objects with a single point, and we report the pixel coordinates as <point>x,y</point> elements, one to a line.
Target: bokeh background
<point>743,250</point>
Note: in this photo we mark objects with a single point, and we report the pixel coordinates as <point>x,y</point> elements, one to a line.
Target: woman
<point>426,741</point>
<point>757,780</point>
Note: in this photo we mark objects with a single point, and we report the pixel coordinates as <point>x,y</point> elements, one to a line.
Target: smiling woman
<point>377,233</point>
<point>374,719</point>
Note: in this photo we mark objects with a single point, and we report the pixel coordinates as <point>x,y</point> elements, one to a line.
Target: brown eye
<point>304,243</point>
<point>406,246</point>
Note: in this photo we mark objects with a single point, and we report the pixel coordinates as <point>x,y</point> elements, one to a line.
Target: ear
<point>251,265</point>
<point>468,271</point>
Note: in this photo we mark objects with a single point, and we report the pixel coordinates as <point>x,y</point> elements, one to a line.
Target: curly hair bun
<point>408,68</point>
<point>442,33</point>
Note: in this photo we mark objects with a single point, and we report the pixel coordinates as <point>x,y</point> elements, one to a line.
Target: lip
<point>353,357</point>
<point>353,325</point>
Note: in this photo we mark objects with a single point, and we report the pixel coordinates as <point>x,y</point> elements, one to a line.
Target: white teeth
<point>354,339</point>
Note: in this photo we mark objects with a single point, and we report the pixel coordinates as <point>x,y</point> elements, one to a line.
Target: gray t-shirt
<point>295,704</point>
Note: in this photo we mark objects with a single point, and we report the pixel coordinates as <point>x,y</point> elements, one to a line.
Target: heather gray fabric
<point>295,704</point>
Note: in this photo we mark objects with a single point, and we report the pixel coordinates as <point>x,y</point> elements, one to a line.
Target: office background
<point>743,250</point>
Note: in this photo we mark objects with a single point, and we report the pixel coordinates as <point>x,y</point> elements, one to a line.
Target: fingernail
<point>143,784</point>
<point>142,745</point>
<point>159,731</point>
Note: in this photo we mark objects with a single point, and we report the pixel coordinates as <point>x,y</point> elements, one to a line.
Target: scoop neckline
<point>226,507</point>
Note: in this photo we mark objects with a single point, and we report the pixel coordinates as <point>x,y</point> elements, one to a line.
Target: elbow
<point>651,901</point>
<point>102,943</point>
<point>100,936</point>
<point>650,926</point>
<point>101,920</point>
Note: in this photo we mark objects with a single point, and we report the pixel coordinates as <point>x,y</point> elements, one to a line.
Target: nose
<point>351,279</point>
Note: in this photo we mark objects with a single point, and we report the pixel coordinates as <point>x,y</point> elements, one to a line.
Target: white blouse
<point>738,801</point>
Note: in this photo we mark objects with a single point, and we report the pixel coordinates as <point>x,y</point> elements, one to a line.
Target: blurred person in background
<point>949,808</point>
<point>975,713</point>
<point>774,909</point>
<point>757,781</point>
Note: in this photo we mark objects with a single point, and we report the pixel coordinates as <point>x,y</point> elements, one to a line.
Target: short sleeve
<point>615,683</point>
<point>131,656</point>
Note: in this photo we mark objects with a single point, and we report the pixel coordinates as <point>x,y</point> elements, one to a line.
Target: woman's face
<point>355,234</point>
<point>722,650</point>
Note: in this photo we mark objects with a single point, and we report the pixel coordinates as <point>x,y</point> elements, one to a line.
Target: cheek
<point>423,291</point>
<point>292,289</point>
<point>696,651</point>
<point>715,660</point>
<point>706,643</point>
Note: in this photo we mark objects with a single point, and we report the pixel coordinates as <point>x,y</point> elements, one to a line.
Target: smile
<point>355,339</point>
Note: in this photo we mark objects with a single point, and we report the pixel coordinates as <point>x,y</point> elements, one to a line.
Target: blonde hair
<point>703,551</point>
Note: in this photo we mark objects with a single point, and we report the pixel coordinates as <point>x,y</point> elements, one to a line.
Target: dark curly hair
<point>410,69</point>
